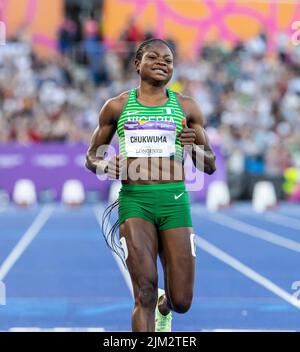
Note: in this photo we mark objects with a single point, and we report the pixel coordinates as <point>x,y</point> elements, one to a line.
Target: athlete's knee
<point>147,296</point>
<point>181,303</point>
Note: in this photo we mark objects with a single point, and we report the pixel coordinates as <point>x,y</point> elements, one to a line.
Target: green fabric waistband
<point>154,187</point>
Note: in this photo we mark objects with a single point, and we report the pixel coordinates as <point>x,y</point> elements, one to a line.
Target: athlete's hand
<point>187,136</point>
<point>115,166</point>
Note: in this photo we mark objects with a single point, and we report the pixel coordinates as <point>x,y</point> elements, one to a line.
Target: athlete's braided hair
<point>141,49</point>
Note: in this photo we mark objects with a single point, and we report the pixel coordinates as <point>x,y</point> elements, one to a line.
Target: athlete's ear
<point>137,65</point>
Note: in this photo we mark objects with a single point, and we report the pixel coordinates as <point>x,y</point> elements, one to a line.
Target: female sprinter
<point>154,125</point>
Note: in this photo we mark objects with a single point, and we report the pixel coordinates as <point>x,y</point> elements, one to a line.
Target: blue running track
<point>248,266</point>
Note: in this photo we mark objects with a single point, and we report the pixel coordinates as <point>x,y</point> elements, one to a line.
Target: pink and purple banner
<point>50,165</point>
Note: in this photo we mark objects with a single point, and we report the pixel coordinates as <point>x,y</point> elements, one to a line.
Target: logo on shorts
<point>179,195</point>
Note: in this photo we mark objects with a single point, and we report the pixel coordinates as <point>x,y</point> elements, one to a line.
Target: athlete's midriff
<point>153,171</point>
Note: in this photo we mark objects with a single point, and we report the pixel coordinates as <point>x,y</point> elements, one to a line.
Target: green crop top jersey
<point>151,132</point>
<point>146,131</point>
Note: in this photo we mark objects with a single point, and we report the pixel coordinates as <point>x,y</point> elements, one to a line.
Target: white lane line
<point>291,214</point>
<point>247,271</point>
<point>25,240</point>
<point>284,220</point>
<point>254,231</point>
<point>295,210</point>
<point>98,210</point>
<point>57,329</point>
<point>275,218</point>
<point>246,330</point>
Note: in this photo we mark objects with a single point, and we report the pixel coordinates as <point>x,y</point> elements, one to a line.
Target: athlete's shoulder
<point>185,99</point>
<point>186,102</point>
<point>116,104</point>
<point>123,97</point>
<point>190,106</point>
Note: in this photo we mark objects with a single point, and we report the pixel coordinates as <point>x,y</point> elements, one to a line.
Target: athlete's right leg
<point>142,245</point>
<point>164,303</point>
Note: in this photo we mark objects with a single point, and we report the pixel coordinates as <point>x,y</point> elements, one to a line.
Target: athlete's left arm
<point>193,134</point>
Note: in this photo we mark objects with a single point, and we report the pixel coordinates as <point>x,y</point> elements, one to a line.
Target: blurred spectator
<point>131,35</point>
<point>67,36</point>
<point>94,51</point>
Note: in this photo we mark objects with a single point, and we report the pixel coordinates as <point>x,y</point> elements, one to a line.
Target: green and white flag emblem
<point>168,111</point>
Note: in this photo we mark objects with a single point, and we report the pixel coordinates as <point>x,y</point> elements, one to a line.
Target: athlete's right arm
<point>102,136</point>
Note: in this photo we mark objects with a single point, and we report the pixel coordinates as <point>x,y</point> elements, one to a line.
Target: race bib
<point>150,139</point>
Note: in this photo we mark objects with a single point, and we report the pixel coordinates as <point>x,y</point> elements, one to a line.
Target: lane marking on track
<point>254,231</point>
<point>25,240</point>
<point>279,219</point>
<point>56,329</point>
<point>247,271</point>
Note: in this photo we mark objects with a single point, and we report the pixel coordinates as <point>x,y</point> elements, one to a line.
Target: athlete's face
<point>156,64</point>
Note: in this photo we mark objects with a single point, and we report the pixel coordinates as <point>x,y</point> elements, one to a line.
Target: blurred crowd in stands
<point>250,98</point>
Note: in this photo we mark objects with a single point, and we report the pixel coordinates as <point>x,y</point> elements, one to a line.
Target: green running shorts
<point>165,205</point>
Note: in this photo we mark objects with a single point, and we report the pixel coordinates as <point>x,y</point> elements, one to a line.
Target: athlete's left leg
<point>177,255</point>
